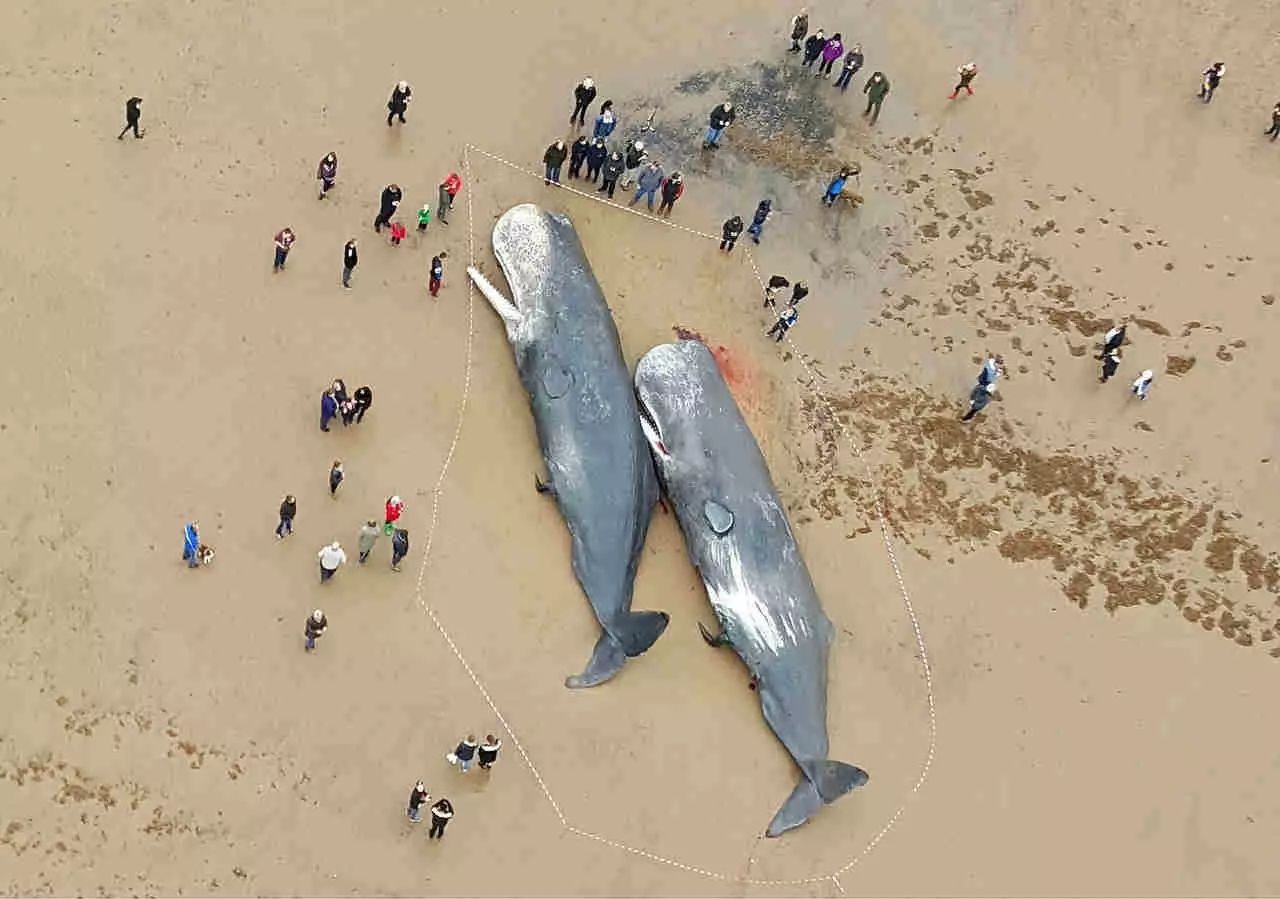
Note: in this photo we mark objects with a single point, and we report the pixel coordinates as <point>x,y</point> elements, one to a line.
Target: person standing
<point>391,195</point>
<point>763,210</point>
<point>328,409</point>
<point>1212,78</point>
<point>968,72</point>
<point>331,559</point>
<point>991,370</point>
<point>350,259</point>
<point>335,477</point>
<point>597,153</point>
<point>583,94</point>
<point>449,188</point>
<point>401,94</point>
<point>1274,130</point>
<point>395,506</point>
<point>721,118</point>
<point>831,51</point>
<point>1142,386</point>
<point>1110,364</point>
<point>876,89</point>
<point>672,190</point>
<point>777,284</point>
<point>635,157</point>
<point>730,233</point>
<point>339,388</point>
<point>288,509</point>
<point>347,409</point>
<point>315,627</point>
<point>836,187</point>
<point>978,399</point>
<point>799,291</point>
<point>441,812</point>
<point>132,115</point>
<point>465,752</point>
<point>578,155</point>
<point>327,173</point>
<point>614,166</point>
<point>605,122</point>
<point>552,160</point>
<point>191,544</point>
<point>647,185</point>
<point>368,538</point>
<point>488,751</point>
<point>364,401</point>
<point>418,797</point>
<point>424,218</point>
<point>813,47</point>
<point>284,243</point>
<point>786,320</point>
<point>398,233</point>
<point>799,28</point>
<point>399,547</point>
<point>852,63</point>
<point>1112,340</point>
<point>436,277</point>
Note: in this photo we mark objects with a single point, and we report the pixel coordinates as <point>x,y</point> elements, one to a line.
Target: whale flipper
<point>824,782</point>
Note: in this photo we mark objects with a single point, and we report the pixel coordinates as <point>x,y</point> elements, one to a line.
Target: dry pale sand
<point>1095,579</point>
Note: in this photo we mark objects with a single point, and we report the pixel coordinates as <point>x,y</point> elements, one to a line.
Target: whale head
<point>525,242</point>
<point>669,394</point>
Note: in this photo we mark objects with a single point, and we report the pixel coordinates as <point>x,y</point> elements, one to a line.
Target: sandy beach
<point>1094,578</point>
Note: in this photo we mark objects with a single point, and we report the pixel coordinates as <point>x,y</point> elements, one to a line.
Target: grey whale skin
<point>598,466</point>
<point>738,537</point>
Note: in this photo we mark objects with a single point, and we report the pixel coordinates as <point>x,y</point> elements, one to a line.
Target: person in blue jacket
<point>328,409</point>
<point>605,122</point>
<point>191,545</point>
<point>836,187</point>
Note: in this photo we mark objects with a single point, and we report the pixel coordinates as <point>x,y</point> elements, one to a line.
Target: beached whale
<point>739,539</point>
<point>598,467</point>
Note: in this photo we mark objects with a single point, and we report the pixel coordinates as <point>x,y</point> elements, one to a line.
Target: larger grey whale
<point>738,537</point>
<point>598,467</point>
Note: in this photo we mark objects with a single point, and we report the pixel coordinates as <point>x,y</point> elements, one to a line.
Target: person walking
<point>991,370</point>
<point>786,320</point>
<point>363,398</point>
<point>1142,386</point>
<point>350,259</point>
<point>335,478</point>
<point>401,94</point>
<point>488,751</point>
<point>799,28</point>
<point>876,89</point>
<point>284,243</point>
<point>799,291</point>
<point>418,797</point>
<point>730,232</point>
<point>836,187</point>
<point>978,399</point>
<point>852,63</point>
<point>327,173</point>
<point>395,506</point>
<point>763,210</point>
<point>315,627</point>
<point>331,559</point>
<point>441,812</point>
<point>191,544</point>
<point>391,195</point>
<point>367,539</point>
<point>672,190</point>
<point>399,547</point>
<point>606,121</point>
<point>635,157</point>
<point>288,509</point>
<point>597,153</point>
<point>449,188</point>
<point>777,284</point>
<point>1112,340</point>
<point>328,409</point>
<point>647,185</point>
<point>583,94</point>
<point>578,155</point>
<point>721,118</point>
<point>831,51</point>
<point>1274,130</point>
<point>968,72</point>
<point>813,47</point>
<point>465,752</point>
<point>614,166</point>
<point>1212,78</point>
<point>552,160</point>
<point>436,276</point>
<point>132,115</point>
<point>1110,364</point>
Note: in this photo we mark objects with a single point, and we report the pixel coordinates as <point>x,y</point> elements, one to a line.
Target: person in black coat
<point>350,259</point>
<point>613,169</point>
<point>364,401</point>
<point>441,812</point>
<point>813,47</point>
<point>597,153</point>
<point>730,233</point>
<point>577,156</point>
<point>288,509</point>
<point>583,94</point>
<point>391,195</point>
<point>553,159</point>
<point>132,115</point>
<point>401,94</point>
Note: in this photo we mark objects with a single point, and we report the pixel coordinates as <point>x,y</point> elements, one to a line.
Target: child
<point>335,478</point>
<point>465,752</point>
<point>437,273</point>
<point>489,751</point>
<point>397,233</point>
<point>441,812</point>
<point>424,218</point>
<point>784,323</point>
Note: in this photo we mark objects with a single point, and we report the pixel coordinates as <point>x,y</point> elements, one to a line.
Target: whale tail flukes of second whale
<point>824,782</point>
<point>630,636</point>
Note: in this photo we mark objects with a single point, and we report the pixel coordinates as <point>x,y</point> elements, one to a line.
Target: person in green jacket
<point>876,89</point>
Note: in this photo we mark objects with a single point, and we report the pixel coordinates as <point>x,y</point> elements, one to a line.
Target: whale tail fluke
<point>630,636</point>
<point>824,782</point>
<point>607,660</point>
<point>640,630</point>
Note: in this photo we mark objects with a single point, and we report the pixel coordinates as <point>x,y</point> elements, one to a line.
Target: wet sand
<point>1095,579</point>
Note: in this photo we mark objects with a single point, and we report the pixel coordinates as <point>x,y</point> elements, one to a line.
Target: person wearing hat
<point>288,509</point>
<point>132,115</point>
<point>418,797</point>
<point>597,153</point>
<point>395,506</point>
<point>672,190</point>
<point>441,812</point>
<point>350,259</point>
<point>331,559</point>
<point>605,122</point>
<point>327,173</point>
<point>978,399</point>
<point>730,233</point>
<point>721,118</point>
<point>401,94</point>
<point>1141,386</point>
<point>635,156</point>
<point>315,627</point>
<point>799,28</point>
<point>552,160</point>
<point>399,547</point>
<point>968,72</point>
<point>614,166</point>
<point>583,94</point>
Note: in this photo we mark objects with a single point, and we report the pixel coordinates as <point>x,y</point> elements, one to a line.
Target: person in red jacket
<point>394,507</point>
<point>672,190</point>
<point>448,191</point>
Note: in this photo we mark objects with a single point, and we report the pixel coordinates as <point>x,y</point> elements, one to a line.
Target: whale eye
<point>556,381</point>
<point>720,518</point>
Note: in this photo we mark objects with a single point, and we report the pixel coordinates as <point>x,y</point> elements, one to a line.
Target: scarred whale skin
<point>738,537</point>
<point>570,361</point>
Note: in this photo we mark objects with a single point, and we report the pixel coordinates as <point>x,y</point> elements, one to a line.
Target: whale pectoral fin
<point>543,487</point>
<point>716,640</point>
<point>607,660</point>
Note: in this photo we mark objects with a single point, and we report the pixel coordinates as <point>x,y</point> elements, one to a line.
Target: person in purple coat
<point>831,51</point>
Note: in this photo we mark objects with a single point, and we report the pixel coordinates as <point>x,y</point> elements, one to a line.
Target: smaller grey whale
<point>738,538</point>
<point>598,467</point>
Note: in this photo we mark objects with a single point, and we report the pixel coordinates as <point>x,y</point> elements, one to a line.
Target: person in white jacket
<point>331,559</point>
